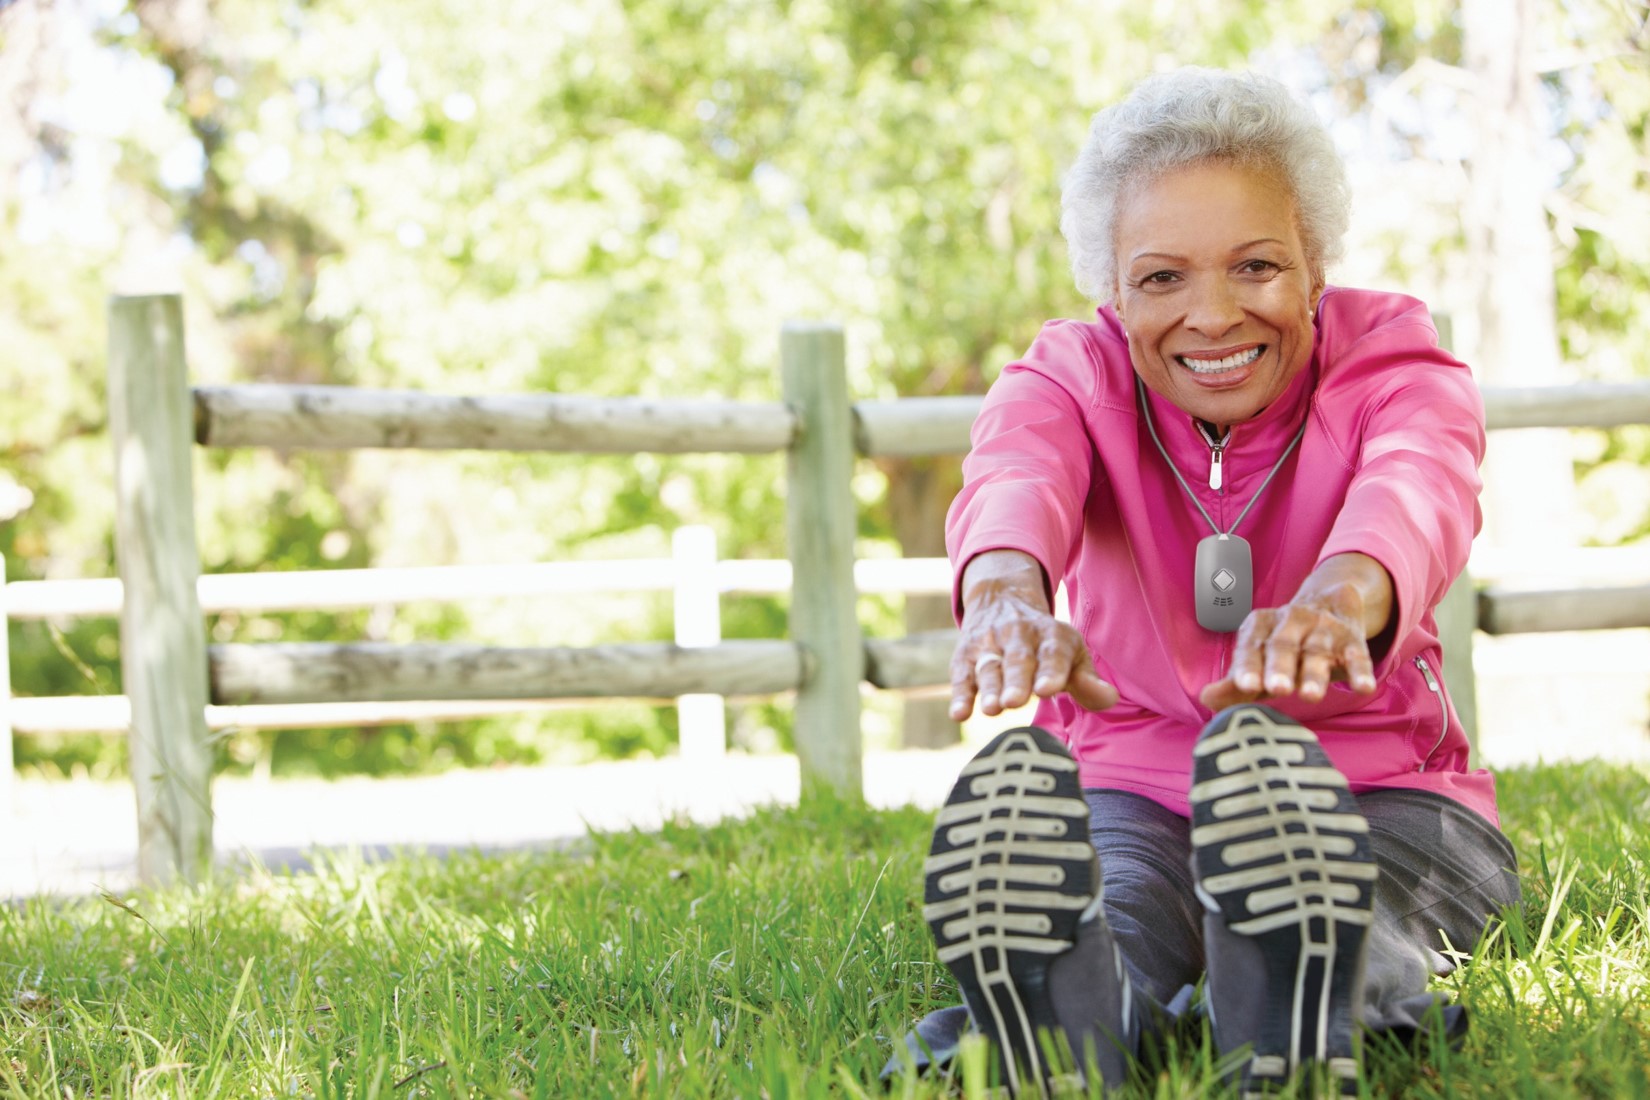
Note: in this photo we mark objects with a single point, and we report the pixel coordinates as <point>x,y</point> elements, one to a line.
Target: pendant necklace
<point>1224,575</point>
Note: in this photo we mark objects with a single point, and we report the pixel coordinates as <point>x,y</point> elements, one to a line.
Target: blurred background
<point>630,198</point>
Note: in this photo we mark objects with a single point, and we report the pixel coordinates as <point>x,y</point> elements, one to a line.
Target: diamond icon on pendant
<point>1224,580</point>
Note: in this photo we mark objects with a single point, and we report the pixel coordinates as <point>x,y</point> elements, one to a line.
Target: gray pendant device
<point>1225,583</point>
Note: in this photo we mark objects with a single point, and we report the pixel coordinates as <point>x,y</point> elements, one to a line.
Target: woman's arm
<point>1012,646</point>
<point>1406,525</point>
<point>1014,526</point>
<point>1320,635</point>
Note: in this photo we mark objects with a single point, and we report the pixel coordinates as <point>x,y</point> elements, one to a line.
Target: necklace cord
<point>1146,410</point>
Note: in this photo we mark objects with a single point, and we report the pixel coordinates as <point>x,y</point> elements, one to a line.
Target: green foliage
<point>778,956</point>
<point>491,196</point>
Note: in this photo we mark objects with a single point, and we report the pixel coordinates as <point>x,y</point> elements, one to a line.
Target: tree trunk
<point>1529,482</point>
<point>919,492</point>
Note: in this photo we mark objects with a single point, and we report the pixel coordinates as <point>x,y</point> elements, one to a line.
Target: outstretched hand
<point>1011,645</point>
<point>1318,638</point>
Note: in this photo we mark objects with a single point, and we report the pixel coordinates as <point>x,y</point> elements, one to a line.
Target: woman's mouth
<point>1220,366</point>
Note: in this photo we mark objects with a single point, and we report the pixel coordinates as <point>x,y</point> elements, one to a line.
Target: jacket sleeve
<point>1027,475</point>
<point>1413,500</point>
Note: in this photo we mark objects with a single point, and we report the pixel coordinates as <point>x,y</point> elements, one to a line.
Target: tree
<point>629,198</point>
<point>1512,251</point>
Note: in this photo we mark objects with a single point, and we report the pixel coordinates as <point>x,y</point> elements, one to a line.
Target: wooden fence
<point>171,675</point>
<point>694,576</point>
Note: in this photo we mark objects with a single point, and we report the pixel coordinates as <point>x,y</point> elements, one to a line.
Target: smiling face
<point>1215,289</point>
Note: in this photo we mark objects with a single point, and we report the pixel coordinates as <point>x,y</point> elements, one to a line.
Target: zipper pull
<point>1217,450</point>
<point>1443,709</point>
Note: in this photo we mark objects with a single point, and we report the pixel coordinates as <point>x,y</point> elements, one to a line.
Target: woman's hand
<point>1011,646</point>
<point>1320,636</point>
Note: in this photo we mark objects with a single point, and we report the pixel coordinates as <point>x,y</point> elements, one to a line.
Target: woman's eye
<point>1259,267</point>
<point>1159,277</point>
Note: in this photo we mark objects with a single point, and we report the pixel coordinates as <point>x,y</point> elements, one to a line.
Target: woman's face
<point>1215,290</point>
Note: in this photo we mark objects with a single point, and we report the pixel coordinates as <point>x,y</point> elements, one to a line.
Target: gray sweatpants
<point>1444,871</point>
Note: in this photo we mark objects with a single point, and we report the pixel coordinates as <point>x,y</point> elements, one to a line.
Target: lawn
<point>773,957</point>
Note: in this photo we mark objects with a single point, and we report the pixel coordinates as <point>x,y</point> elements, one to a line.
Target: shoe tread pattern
<point>1281,849</point>
<point>1009,875</point>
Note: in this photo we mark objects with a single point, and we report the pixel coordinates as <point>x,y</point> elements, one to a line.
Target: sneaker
<point>1283,864</point>
<point>1012,894</point>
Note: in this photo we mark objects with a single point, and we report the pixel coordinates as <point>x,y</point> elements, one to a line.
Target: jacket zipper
<point>1443,709</point>
<point>1217,450</point>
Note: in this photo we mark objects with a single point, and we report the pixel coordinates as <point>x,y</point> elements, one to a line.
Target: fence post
<point>8,769</point>
<point>820,523</point>
<point>1457,617</point>
<point>701,720</point>
<point>1457,613</point>
<point>162,633</point>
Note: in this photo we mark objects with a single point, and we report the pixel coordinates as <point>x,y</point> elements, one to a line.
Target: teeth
<point>1215,366</point>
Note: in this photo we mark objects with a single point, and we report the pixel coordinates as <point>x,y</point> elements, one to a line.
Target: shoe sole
<point>1281,850</point>
<point>1008,878</point>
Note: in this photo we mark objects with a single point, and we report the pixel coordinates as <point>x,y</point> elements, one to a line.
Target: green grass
<point>776,957</point>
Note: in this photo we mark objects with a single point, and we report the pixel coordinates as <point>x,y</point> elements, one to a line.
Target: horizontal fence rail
<point>914,662</point>
<point>915,426</point>
<point>918,663</point>
<point>343,418</point>
<point>338,589</point>
<point>318,672</point>
<point>112,714</point>
<point>1582,405</point>
<point>933,426</point>
<point>1511,612</point>
<point>315,672</point>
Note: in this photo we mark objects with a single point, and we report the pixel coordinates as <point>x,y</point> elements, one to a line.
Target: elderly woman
<point>1255,487</point>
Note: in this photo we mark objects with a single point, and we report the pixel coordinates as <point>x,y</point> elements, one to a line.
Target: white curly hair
<point>1191,116</point>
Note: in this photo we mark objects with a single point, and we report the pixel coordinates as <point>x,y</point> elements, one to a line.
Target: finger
<point>1089,691</point>
<point>1360,668</point>
<point>1319,657</point>
<point>1083,683</point>
<point>1055,665</point>
<point>1018,669</point>
<point>988,681</point>
<point>1248,651</point>
<point>1283,651</point>
<point>962,680</point>
<point>1226,692</point>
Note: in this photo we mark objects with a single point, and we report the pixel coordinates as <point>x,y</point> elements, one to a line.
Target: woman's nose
<point>1214,310</point>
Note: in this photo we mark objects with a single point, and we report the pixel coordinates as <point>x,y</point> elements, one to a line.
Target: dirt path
<point>79,837</point>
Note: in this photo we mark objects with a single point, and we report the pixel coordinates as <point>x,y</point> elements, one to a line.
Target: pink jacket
<point>1063,469</point>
